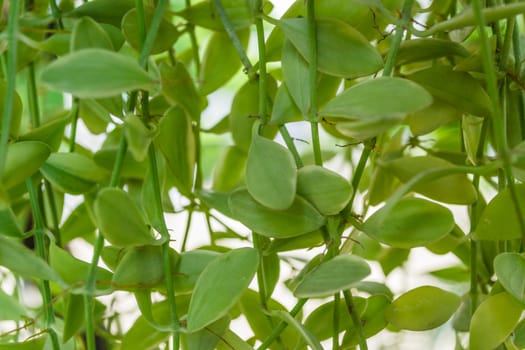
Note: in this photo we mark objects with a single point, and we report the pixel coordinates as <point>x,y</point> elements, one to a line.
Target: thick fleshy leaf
<point>177,143</point>
<point>332,276</point>
<point>300,218</point>
<point>78,224</point>
<point>23,261</point>
<point>328,191</point>
<point>453,189</point>
<point>50,133</point>
<point>191,265</point>
<point>87,33</point>
<point>284,108</point>
<point>493,321</point>
<point>139,136</point>
<point>166,36</point>
<point>220,286</point>
<point>72,173</point>
<point>94,73</point>
<point>428,49</point>
<point>499,220</point>
<point>296,76</point>
<point>141,267</point>
<point>120,220</point>
<point>178,88</point>
<point>422,308</point>
<point>16,113</point>
<point>208,337</point>
<point>510,270</point>
<point>432,117</point>
<point>459,89</point>
<point>342,51</point>
<point>229,170</point>
<point>220,61</point>
<point>271,175</point>
<point>306,335</point>
<point>23,160</point>
<point>204,14</point>
<point>411,222</point>
<point>105,11</point>
<point>36,343</point>
<point>9,225</point>
<point>10,308</point>
<point>397,97</point>
<point>321,321</point>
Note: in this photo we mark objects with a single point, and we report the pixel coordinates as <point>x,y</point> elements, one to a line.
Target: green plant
<point>426,106</point>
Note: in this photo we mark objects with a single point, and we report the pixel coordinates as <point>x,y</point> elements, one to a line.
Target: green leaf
<point>94,73</point>
<point>321,321</point>
<point>459,89</point>
<point>87,33</point>
<point>166,36</point>
<point>493,321</point>
<point>178,88</point>
<point>428,49</point>
<point>16,113</point>
<point>78,224</point>
<point>36,343</point>
<point>328,191</point>
<point>220,61</point>
<point>204,14</point>
<point>105,158</point>
<point>190,267</point>
<point>216,200</point>
<point>229,170</point>
<point>208,337</point>
<point>141,267</point>
<point>271,175</point>
<point>23,160</point>
<point>231,340</point>
<point>300,218</point>
<point>105,11</point>
<point>220,286</point>
<point>310,339</point>
<point>499,220</point>
<point>8,222</point>
<point>332,276</point>
<point>422,308</point>
<point>72,173</point>
<point>120,220</point>
<point>10,308</point>
<point>139,136</point>
<point>510,270</point>
<point>296,76</point>
<point>74,271</point>
<point>177,143</point>
<point>341,50</point>
<point>432,117</point>
<point>23,261</point>
<point>361,100</point>
<point>284,108</point>
<point>411,222</point>
<point>453,189</point>
<point>50,133</point>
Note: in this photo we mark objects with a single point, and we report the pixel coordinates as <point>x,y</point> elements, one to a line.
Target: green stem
<point>517,59</point>
<point>89,305</point>
<point>165,246</point>
<point>12,30</point>
<point>141,23</point>
<point>335,318</point>
<point>497,116</point>
<point>32,96</point>
<point>41,251</point>
<point>152,32</point>
<point>194,43</point>
<point>398,37</point>
<point>187,230</point>
<point>281,326</point>
<point>55,11</point>
<point>233,36</point>
<point>54,213</point>
<point>261,46</point>
<point>74,123</point>
<point>355,319</point>
<point>312,81</point>
<point>291,146</point>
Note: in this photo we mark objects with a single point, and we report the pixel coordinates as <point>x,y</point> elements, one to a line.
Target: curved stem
<point>355,319</point>
<point>55,11</point>
<point>291,146</point>
<point>74,123</point>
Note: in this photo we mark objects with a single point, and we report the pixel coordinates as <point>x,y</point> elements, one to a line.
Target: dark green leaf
<point>23,160</point>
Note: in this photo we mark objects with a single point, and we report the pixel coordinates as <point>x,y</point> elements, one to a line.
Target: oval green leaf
<point>341,50</point>
<point>510,270</point>
<point>120,220</point>
<point>300,218</point>
<point>271,175</point>
<point>499,220</point>
<point>87,33</point>
<point>72,173</point>
<point>493,321</point>
<point>220,286</point>
<point>422,308</point>
<point>380,97</point>
<point>328,191</point>
<point>332,276</point>
<point>190,266</point>
<point>23,160</point>
<point>428,49</point>
<point>411,222</point>
<point>95,73</point>
<point>452,189</point>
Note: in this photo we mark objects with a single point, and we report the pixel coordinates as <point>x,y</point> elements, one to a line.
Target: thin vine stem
<point>190,27</point>
<point>55,11</point>
<point>291,146</point>
<point>41,251</point>
<point>355,319</point>
<point>74,123</point>
<point>147,45</point>
<point>496,113</point>
<point>12,30</point>
<point>233,36</point>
